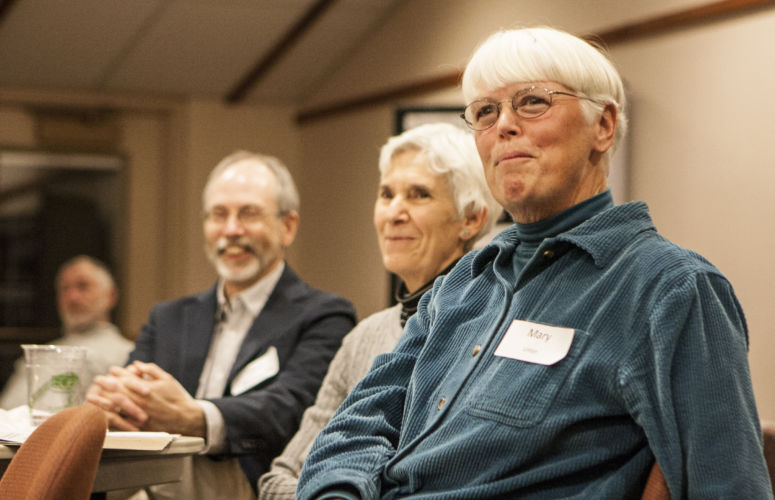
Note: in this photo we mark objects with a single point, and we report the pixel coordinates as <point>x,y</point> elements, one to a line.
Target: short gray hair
<point>542,53</point>
<point>451,151</point>
<point>287,194</point>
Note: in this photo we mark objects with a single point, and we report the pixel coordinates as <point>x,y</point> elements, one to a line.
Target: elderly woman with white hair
<point>432,205</point>
<point>575,350</point>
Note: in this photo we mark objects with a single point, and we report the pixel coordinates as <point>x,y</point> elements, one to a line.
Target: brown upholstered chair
<point>768,428</point>
<point>59,460</point>
<point>656,487</point>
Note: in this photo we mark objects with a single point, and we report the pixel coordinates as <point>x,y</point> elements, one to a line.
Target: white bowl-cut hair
<point>450,151</point>
<point>548,54</point>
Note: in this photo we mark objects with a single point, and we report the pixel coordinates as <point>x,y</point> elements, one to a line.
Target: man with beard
<point>238,363</point>
<point>86,293</point>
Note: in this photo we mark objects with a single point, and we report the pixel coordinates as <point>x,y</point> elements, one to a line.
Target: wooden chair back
<point>59,460</point>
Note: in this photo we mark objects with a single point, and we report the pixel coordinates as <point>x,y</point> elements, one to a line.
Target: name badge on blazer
<point>262,368</point>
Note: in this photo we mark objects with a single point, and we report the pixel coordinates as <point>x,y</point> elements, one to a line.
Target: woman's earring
<point>466,233</point>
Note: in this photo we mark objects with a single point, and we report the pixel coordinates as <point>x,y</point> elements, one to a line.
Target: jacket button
<point>476,350</point>
<point>548,255</point>
<point>442,402</point>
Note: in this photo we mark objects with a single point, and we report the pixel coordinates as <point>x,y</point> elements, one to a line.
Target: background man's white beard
<point>79,323</point>
<point>240,274</point>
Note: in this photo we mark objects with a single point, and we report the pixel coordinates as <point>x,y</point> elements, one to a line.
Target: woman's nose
<point>508,121</point>
<point>397,208</point>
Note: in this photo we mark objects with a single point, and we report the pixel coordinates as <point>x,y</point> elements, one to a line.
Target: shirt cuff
<point>215,439</point>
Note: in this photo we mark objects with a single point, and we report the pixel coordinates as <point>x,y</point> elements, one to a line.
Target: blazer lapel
<point>198,328</point>
<point>270,320</point>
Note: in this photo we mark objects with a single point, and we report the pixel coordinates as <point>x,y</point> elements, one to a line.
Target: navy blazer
<point>304,324</point>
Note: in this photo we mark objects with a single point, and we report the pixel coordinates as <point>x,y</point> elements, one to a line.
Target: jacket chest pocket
<point>519,393</point>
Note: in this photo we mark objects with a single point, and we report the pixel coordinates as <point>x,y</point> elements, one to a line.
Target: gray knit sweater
<point>374,335</point>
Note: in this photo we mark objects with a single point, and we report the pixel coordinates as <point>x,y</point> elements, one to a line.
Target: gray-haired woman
<point>432,205</point>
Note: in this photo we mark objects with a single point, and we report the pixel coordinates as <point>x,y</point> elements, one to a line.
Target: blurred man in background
<point>86,294</point>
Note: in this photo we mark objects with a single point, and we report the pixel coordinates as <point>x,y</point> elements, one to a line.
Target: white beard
<point>240,274</point>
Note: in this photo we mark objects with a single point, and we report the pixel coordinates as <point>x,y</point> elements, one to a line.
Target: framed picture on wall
<point>407,118</point>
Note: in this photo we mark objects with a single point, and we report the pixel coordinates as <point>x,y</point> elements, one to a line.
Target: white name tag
<point>535,343</point>
<point>265,366</point>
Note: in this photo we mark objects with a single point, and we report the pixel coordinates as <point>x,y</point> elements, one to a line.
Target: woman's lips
<point>398,241</point>
<point>513,155</point>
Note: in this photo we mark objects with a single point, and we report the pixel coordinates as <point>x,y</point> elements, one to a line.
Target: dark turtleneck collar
<point>531,235</point>
<point>409,300</point>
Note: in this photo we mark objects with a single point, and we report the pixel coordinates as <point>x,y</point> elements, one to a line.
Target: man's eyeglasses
<point>247,215</point>
<point>528,103</point>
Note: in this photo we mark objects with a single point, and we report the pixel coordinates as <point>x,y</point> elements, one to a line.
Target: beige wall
<point>337,238</point>
<point>700,152</point>
<point>142,253</point>
<point>702,158</point>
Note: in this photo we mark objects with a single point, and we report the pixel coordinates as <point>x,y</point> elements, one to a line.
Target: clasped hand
<point>142,396</point>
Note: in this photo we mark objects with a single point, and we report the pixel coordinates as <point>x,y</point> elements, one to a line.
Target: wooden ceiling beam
<point>412,89</point>
<point>274,55</point>
<point>694,16</point>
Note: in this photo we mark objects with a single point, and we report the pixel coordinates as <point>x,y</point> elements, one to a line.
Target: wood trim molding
<point>695,16</point>
<point>704,14</point>
<point>416,88</point>
<point>264,64</point>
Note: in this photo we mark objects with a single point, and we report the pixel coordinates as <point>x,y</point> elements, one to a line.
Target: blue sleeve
<point>690,389</point>
<point>351,452</point>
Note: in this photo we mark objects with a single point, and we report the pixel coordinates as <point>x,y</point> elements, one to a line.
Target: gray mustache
<point>245,243</point>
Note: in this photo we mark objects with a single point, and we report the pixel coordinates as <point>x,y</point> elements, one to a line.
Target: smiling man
<point>86,295</point>
<point>238,363</point>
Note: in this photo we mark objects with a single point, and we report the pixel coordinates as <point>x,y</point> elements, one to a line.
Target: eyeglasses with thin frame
<point>530,102</point>
<point>247,215</point>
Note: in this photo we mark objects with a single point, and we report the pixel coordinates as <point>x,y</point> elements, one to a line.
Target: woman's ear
<point>605,128</point>
<point>472,223</point>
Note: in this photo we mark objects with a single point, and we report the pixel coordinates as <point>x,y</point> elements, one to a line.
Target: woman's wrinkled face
<point>417,223</point>
<point>540,166</point>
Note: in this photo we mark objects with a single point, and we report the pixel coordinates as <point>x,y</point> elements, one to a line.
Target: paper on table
<point>15,427</point>
<point>123,440</point>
